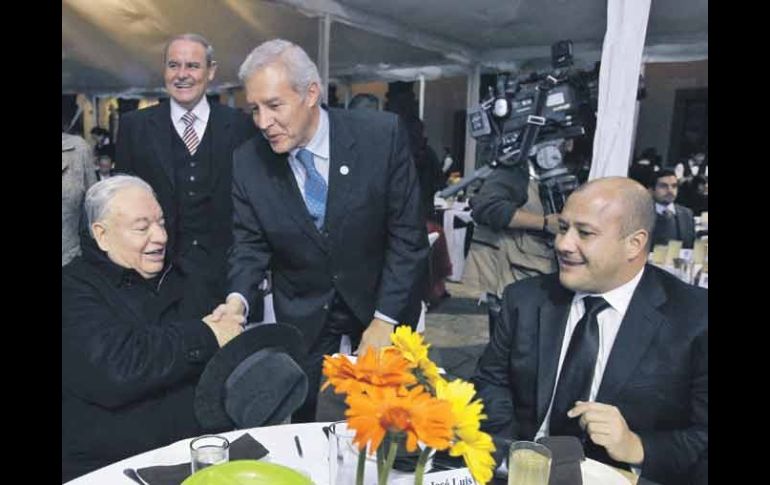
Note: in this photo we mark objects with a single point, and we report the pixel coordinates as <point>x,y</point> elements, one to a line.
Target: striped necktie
<point>190,138</point>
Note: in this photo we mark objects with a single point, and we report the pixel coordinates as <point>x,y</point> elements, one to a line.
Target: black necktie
<point>577,371</point>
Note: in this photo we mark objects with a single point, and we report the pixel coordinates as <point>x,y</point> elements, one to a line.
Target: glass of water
<point>529,464</point>
<point>208,450</point>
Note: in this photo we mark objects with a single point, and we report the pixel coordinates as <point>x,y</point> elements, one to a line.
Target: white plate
<point>595,473</point>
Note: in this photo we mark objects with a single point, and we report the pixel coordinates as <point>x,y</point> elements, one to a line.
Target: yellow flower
<point>411,346</point>
<point>473,445</point>
<point>476,449</point>
<point>459,393</point>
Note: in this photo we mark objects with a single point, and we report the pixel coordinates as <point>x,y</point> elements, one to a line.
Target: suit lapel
<point>552,323</point>
<point>342,158</point>
<point>160,138</point>
<point>220,141</point>
<point>283,178</point>
<point>637,330</point>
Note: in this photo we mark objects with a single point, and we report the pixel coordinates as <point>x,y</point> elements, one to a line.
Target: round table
<point>279,440</point>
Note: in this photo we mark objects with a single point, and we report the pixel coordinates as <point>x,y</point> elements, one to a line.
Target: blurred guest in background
<point>77,175</point>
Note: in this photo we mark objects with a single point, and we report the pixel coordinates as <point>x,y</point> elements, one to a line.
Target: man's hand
<point>226,327</point>
<point>606,427</point>
<point>233,306</point>
<point>376,335</point>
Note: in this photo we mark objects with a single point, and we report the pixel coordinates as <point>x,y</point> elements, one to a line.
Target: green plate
<point>247,472</point>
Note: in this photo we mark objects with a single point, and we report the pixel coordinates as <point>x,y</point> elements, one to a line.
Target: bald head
<point>625,197</point>
<point>604,235</point>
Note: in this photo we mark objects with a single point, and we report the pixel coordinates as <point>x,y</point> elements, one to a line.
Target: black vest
<point>193,178</point>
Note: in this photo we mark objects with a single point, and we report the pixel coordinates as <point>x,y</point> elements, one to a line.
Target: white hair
<point>302,71</point>
<point>99,196</point>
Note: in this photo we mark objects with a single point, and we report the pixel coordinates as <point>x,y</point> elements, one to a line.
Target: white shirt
<point>662,208</point>
<point>319,147</point>
<point>201,111</point>
<point>609,323</point>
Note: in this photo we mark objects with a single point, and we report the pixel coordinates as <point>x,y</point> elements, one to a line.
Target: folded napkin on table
<point>243,448</point>
<point>566,455</point>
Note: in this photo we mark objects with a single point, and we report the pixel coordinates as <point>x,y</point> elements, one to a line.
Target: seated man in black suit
<point>611,350</point>
<point>135,337</point>
<point>673,221</point>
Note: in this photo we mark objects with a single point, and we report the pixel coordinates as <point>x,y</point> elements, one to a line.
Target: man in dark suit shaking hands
<point>610,350</point>
<point>329,201</point>
<point>183,148</point>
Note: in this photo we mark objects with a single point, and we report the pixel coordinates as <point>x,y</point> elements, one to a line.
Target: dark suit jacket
<point>657,373</point>
<point>132,352</point>
<point>685,223</point>
<point>144,150</point>
<point>373,247</point>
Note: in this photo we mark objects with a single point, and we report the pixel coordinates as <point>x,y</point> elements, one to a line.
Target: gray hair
<point>99,196</point>
<point>194,38</point>
<point>302,71</point>
<point>638,205</point>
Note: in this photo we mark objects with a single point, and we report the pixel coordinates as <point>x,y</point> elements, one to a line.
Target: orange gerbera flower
<point>371,370</point>
<point>418,414</point>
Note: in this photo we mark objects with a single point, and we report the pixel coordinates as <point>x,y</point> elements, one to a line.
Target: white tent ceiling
<point>114,46</point>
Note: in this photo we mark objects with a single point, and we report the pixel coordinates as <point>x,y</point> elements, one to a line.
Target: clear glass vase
<point>343,458</point>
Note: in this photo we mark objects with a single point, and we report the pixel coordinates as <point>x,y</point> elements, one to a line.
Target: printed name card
<point>460,476</point>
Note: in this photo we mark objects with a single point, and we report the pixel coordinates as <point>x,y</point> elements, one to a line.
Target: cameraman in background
<point>513,238</point>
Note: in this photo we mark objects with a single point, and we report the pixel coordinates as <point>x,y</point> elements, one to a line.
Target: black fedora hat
<point>254,380</point>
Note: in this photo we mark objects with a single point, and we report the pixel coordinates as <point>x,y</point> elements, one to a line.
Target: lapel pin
<point>344,170</point>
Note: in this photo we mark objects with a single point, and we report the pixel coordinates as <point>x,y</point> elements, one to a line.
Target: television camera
<point>529,119</point>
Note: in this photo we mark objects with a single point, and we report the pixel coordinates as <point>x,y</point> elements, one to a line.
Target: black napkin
<point>244,448</point>
<point>566,455</point>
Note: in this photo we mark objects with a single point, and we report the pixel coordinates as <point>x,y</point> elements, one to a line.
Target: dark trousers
<point>340,321</point>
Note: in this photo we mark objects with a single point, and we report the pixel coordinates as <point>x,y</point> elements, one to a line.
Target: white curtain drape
<point>618,81</point>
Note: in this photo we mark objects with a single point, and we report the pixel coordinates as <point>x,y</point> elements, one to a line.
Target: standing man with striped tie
<point>183,148</point>
<point>329,201</point>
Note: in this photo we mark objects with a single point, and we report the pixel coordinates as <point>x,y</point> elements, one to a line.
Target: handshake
<point>227,320</point>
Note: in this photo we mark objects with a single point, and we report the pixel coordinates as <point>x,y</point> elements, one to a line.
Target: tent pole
<point>422,96</point>
<point>324,32</point>
<point>474,85</point>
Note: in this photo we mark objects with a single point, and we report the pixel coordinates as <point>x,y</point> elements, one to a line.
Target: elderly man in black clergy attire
<point>183,148</point>
<point>329,201</point>
<point>135,333</point>
<point>611,350</point>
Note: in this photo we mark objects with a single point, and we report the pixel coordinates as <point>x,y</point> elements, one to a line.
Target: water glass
<point>208,450</point>
<point>529,464</point>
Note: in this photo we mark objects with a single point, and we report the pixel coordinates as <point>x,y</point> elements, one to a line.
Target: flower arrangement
<point>396,393</point>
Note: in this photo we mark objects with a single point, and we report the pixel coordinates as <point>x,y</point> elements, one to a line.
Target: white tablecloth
<point>455,238</point>
<point>279,440</point>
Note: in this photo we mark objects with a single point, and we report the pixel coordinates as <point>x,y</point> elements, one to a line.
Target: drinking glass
<point>208,450</point>
<point>529,464</point>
